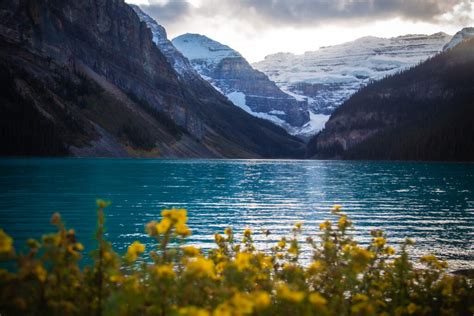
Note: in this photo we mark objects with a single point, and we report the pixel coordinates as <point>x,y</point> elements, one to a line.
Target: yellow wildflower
<point>390,251</point>
<point>182,230</point>
<point>135,249</point>
<point>223,310</point>
<point>191,251</point>
<point>293,249</point>
<point>431,260</point>
<point>218,238</point>
<point>336,208</point>
<point>343,222</point>
<point>411,308</point>
<point>316,299</point>
<point>285,293</point>
<point>164,225</point>
<point>247,232</point>
<point>428,258</point>
<point>200,267</point>
<point>228,231</point>
<point>116,278</point>
<point>298,225</point>
<point>6,243</point>
<point>315,266</point>
<point>266,261</point>
<point>325,225</point>
<point>220,267</point>
<point>102,203</point>
<point>176,215</point>
<point>193,311</point>
<point>380,241</point>
<point>328,245</point>
<point>242,260</point>
<point>282,243</point>
<point>165,271</point>
<point>242,304</point>
<point>40,273</point>
<point>362,254</point>
<point>360,297</point>
<point>261,299</point>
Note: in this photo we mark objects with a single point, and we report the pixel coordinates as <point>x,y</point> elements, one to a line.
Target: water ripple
<point>431,203</point>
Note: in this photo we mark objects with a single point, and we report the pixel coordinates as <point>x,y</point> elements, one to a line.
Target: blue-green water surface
<point>433,203</point>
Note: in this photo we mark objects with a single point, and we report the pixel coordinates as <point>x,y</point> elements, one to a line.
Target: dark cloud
<point>312,12</point>
<point>308,12</point>
<point>168,12</point>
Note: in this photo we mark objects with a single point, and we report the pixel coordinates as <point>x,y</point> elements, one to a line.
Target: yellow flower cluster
<point>134,250</point>
<point>232,279</point>
<point>6,243</point>
<point>201,268</point>
<point>165,271</point>
<point>285,293</point>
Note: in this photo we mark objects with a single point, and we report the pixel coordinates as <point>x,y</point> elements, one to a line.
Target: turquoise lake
<point>433,203</point>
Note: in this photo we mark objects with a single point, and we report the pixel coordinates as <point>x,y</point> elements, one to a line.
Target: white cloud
<point>257,28</point>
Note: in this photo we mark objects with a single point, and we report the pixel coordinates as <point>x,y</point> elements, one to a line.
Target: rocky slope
<point>180,63</point>
<point>247,88</point>
<point>329,76</point>
<point>85,78</point>
<point>464,34</point>
<point>424,113</point>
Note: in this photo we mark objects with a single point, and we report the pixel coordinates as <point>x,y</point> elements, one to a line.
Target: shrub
<point>234,278</point>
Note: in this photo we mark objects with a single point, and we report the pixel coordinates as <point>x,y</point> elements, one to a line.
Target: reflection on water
<point>431,203</point>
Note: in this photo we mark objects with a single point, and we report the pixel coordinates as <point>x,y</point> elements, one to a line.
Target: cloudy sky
<point>257,28</point>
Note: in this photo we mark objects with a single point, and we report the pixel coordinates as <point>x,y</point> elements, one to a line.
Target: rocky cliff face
<point>247,88</point>
<point>424,113</point>
<point>330,75</point>
<point>89,74</point>
<point>180,63</point>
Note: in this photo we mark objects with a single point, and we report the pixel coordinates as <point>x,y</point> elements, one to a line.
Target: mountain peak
<point>462,35</point>
<point>201,47</point>
<point>244,86</point>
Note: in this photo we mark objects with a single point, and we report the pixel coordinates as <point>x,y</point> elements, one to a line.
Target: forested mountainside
<point>425,113</point>
<point>84,78</point>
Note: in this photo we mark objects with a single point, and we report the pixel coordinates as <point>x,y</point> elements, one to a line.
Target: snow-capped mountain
<point>246,87</point>
<point>462,35</point>
<point>330,75</point>
<point>180,63</point>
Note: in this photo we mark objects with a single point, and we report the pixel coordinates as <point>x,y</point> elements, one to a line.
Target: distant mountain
<point>464,34</point>
<point>424,113</point>
<point>84,78</point>
<point>330,75</point>
<point>246,87</point>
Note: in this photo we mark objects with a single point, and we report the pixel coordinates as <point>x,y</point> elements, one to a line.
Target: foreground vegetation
<point>232,279</point>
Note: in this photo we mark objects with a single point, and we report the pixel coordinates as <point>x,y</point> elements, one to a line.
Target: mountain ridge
<point>329,76</point>
<point>89,82</point>
<point>246,87</point>
<point>423,113</point>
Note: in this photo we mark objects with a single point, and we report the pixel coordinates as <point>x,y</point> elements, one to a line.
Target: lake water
<point>433,203</point>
